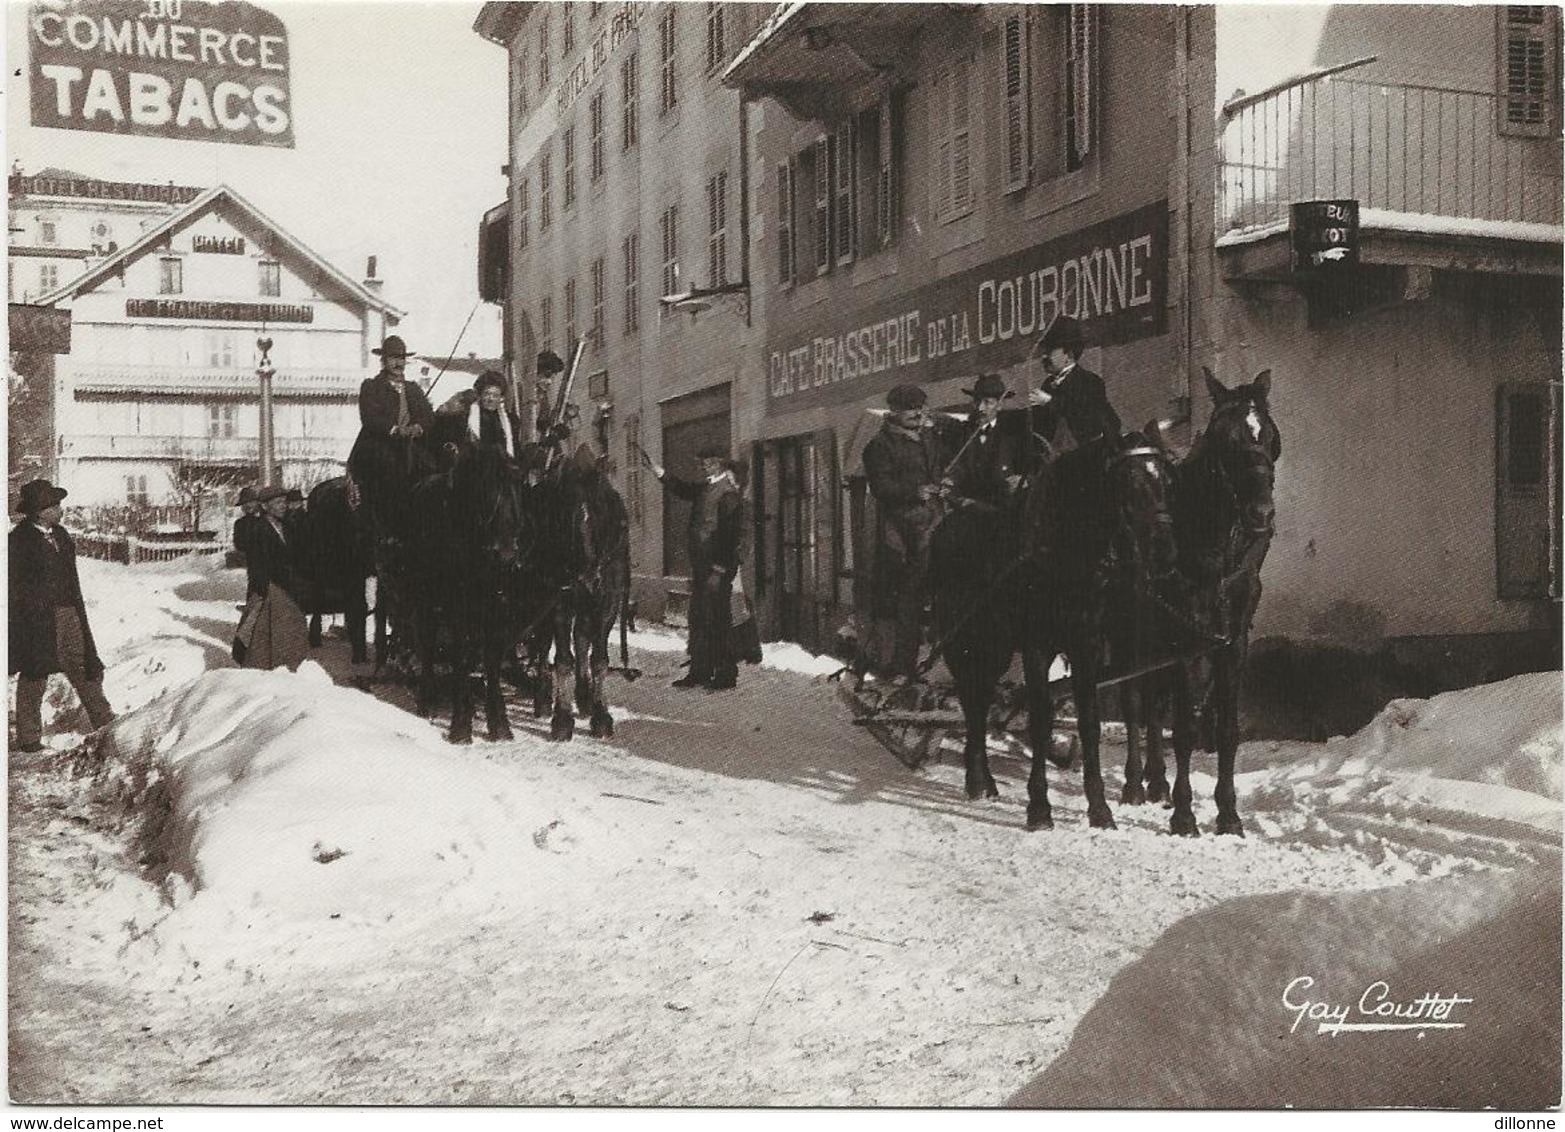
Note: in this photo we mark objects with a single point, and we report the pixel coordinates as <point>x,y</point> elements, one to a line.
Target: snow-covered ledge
<point>1420,223</point>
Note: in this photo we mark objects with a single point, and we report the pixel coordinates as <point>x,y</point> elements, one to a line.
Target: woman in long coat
<point>272,632</point>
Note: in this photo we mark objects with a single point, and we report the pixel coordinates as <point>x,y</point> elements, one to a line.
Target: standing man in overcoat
<point>902,463</point>
<point>394,414</point>
<point>716,535</point>
<point>48,618</point>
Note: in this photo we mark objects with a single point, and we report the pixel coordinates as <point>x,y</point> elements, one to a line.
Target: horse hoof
<point>1039,819</point>
<point>1132,796</point>
<point>562,728</point>
<point>1157,792</point>
<point>602,726</point>
<point>1183,825</point>
<point>1230,826</point>
<point>502,734</point>
<point>459,738</point>
<point>1101,819</point>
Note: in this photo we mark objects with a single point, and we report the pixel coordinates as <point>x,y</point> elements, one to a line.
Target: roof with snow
<point>208,202</point>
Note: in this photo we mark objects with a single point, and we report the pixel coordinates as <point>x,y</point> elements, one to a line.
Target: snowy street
<point>276,888</point>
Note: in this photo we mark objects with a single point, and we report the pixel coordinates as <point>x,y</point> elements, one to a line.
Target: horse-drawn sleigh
<point>1143,574</point>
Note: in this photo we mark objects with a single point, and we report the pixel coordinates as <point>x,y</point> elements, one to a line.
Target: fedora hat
<point>392,347</point>
<point>549,364</point>
<point>1065,333</point>
<point>38,495</point>
<point>271,492</point>
<point>901,398</point>
<point>247,494</point>
<point>988,385</point>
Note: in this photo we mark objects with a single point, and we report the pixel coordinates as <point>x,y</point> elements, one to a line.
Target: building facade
<point>159,396</point>
<point>625,231</point>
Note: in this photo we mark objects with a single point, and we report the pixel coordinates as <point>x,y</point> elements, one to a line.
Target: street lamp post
<point>264,372</point>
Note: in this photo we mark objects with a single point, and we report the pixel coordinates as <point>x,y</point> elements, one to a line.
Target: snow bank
<point>1201,1020</point>
<point>1486,760</point>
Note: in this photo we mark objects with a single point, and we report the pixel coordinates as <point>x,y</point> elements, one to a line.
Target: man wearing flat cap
<point>1070,394</point>
<point>48,616</point>
<point>903,465</point>
<point>394,414</point>
<point>716,536</point>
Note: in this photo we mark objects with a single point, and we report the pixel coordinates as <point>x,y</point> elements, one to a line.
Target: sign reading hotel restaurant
<point>1112,276</point>
<point>1325,234</point>
<point>186,69</point>
<point>223,311</point>
<point>21,186</point>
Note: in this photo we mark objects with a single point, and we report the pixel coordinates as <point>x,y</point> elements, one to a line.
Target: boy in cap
<point>716,535</point>
<point>48,617</point>
<point>902,463</point>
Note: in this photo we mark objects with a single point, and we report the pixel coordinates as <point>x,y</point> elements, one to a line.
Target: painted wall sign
<point>226,312</point>
<point>616,30</point>
<point>21,186</point>
<point>218,245</point>
<point>1325,234</point>
<point>1113,276</point>
<point>39,330</point>
<point>186,69</point>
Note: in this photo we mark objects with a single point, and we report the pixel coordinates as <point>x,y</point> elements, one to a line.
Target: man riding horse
<point>394,415</point>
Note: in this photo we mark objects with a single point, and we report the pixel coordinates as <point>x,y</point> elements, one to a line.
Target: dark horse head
<point>1225,484</point>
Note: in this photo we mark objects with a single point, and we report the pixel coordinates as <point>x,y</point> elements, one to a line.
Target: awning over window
<point>494,254</point>
<point>812,57</point>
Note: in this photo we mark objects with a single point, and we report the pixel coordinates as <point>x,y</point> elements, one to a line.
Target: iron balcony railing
<point>118,377</point>
<point>1406,149</point>
<point>238,450</point>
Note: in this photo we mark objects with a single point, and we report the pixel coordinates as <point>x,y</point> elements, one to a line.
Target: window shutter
<point>823,150</point>
<point>940,127</point>
<point>1018,126</point>
<point>846,156</point>
<point>885,225</point>
<point>784,224</point>
<point>961,139</point>
<point>1081,46</point>
<point>1528,69</point>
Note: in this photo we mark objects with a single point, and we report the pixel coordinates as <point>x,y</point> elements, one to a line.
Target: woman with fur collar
<point>479,416</point>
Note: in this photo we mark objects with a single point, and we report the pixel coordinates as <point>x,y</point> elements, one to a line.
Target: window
<point>595,126</point>
<point>633,473</point>
<point>48,277</point>
<point>546,319</point>
<point>570,314</point>
<point>220,350</point>
<point>668,225</point>
<point>1016,156</point>
<point>1527,63</point>
<point>597,302</point>
<point>717,230</point>
<point>715,50</point>
<point>523,208</point>
<point>632,251</point>
<point>1080,51</point>
<point>821,220</point>
<point>785,263</point>
<point>570,165</point>
<point>271,278</point>
<point>666,46</point>
<point>1527,523</point>
<point>48,234</point>
<point>519,85</point>
<point>545,204</point>
<point>594,9</point>
<point>630,111</point>
<point>569,43</point>
<point>543,52</point>
<point>844,229</point>
<point>171,277</point>
<point>220,422</point>
<point>951,127</point>
<point>136,491</point>
<point>888,158</point>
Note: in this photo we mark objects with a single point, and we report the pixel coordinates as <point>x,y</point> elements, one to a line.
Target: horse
<point>465,578</point>
<point>1224,513</point>
<point>337,559</point>
<point>586,567</point>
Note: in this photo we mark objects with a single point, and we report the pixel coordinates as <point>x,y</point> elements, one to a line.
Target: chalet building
<point>160,387</point>
<point>624,230</point>
<point>1418,495</point>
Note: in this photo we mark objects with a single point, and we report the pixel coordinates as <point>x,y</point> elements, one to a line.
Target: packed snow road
<point>276,888</point>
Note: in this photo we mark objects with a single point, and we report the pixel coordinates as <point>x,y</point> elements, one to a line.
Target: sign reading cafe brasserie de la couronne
<point>184,69</point>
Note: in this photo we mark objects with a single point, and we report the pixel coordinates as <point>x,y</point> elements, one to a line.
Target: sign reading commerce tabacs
<point>1112,276</point>
<point>214,72</point>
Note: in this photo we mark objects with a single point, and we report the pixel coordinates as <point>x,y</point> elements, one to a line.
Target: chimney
<point>370,282</point>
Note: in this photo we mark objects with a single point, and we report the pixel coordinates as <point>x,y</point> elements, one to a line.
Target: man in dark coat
<point>716,535</point>
<point>48,618</point>
<point>986,459</point>
<point>394,414</point>
<point>902,463</point>
<point>1070,394</point>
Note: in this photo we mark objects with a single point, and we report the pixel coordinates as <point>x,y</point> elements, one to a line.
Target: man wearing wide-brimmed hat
<point>394,414</point>
<point>48,618</point>
<point>715,538</point>
<point>903,465</point>
<point>984,467</point>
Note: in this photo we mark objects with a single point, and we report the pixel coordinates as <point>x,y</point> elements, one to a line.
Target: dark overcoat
<point>897,465</point>
<point>43,579</point>
<point>377,455</point>
<point>274,561</point>
<point>1080,402</point>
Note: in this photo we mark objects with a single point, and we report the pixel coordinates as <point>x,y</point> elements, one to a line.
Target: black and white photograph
<point>845,557</point>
